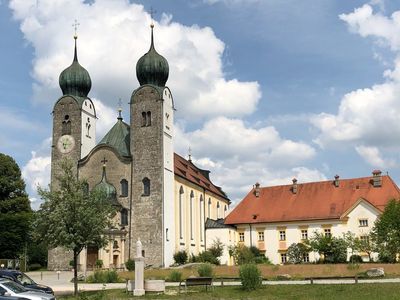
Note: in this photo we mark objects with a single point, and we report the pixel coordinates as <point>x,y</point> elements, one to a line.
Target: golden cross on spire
<point>152,13</point>
<point>75,25</point>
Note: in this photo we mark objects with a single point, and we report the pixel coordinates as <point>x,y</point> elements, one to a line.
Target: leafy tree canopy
<point>386,232</point>
<point>71,217</point>
<point>15,210</point>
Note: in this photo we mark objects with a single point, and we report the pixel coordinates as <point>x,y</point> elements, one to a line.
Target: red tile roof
<point>187,170</point>
<point>313,201</point>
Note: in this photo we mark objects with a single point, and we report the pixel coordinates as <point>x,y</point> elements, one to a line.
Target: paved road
<point>61,283</point>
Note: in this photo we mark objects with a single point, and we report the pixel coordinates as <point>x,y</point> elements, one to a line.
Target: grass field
<point>272,271</point>
<point>375,291</point>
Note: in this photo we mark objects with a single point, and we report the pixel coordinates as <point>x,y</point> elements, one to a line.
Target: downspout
<point>204,218</point>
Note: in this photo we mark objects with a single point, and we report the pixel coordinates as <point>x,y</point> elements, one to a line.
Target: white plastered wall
<point>168,180</point>
<point>88,119</point>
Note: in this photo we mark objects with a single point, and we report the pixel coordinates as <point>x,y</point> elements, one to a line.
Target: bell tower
<point>74,124</point>
<point>152,112</point>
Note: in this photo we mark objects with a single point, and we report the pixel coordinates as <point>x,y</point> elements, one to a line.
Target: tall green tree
<point>386,232</point>
<point>332,249</point>
<point>71,217</point>
<point>15,210</point>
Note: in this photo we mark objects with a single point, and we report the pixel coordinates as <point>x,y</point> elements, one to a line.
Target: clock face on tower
<point>65,144</point>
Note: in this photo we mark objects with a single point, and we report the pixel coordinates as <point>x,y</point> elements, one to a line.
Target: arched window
<point>143,119</point>
<point>148,119</point>
<point>218,210</point>
<point>124,188</point>
<point>181,212</point>
<point>66,125</point>
<point>115,245</point>
<point>146,186</point>
<point>225,210</point>
<point>201,216</point>
<point>209,208</point>
<point>191,214</point>
<point>124,217</point>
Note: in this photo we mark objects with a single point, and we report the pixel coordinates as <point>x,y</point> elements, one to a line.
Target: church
<point>161,198</point>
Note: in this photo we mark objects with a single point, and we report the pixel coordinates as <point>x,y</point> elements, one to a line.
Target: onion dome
<point>75,79</point>
<point>152,68</point>
<point>107,188</point>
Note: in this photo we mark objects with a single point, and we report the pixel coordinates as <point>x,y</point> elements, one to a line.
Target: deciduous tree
<point>15,210</point>
<point>386,231</point>
<point>71,217</point>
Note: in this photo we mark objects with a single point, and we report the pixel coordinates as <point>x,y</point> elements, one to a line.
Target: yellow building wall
<point>192,238</point>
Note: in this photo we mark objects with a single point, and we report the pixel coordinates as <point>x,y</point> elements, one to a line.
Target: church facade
<point>161,198</point>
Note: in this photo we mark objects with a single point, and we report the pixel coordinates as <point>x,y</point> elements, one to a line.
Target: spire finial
<point>152,12</point>
<point>119,109</point>
<point>190,154</point>
<point>75,25</point>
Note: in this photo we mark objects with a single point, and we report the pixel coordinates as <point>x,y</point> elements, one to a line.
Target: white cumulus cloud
<point>368,118</point>
<point>112,37</point>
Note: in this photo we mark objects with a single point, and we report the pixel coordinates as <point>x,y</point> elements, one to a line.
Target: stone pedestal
<point>139,271</point>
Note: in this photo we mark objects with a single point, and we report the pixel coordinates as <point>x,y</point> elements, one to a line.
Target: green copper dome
<point>152,68</point>
<point>107,188</point>
<point>75,79</point>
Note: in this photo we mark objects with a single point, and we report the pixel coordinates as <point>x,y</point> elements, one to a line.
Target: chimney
<point>336,182</point>
<point>294,186</point>
<point>377,178</point>
<point>257,190</point>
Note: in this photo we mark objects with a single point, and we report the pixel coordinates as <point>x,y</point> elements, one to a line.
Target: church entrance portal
<point>92,256</point>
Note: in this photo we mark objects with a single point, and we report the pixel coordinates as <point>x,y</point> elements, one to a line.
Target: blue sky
<point>265,90</point>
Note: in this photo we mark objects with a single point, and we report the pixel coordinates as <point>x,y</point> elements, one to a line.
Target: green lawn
<point>384,291</point>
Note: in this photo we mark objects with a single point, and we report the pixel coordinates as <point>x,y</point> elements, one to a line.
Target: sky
<point>265,90</point>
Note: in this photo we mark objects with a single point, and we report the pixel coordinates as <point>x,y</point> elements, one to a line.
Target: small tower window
<point>148,118</point>
<point>146,186</point>
<point>124,217</point>
<point>144,119</point>
<point>124,188</point>
<point>66,125</point>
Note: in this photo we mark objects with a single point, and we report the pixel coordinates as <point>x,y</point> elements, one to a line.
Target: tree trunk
<point>76,253</point>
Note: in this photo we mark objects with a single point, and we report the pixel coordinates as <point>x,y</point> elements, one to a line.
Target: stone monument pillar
<point>139,271</point>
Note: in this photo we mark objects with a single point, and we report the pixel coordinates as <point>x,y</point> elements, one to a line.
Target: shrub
<point>207,256</point>
<point>241,254</point>
<point>98,263</point>
<point>356,259</point>
<point>175,276</point>
<point>181,257</point>
<point>130,265</point>
<point>250,277</point>
<point>216,249</point>
<point>205,270</point>
<point>107,276</point>
<point>296,253</point>
<point>34,267</point>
